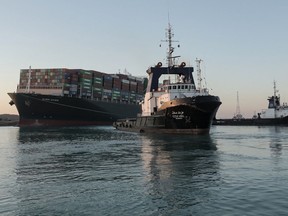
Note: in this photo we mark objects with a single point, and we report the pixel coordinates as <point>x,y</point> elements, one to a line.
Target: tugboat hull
<point>186,116</point>
<point>253,122</point>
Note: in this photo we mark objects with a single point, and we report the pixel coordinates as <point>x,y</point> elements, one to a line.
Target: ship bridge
<point>156,72</point>
<point>177,87</point>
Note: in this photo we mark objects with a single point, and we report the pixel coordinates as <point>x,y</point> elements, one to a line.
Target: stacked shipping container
<point>84,83</point>
<point>98,85</point>
<point>41,78</point>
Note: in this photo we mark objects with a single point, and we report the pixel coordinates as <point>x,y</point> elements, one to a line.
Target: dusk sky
<point>243,43</point>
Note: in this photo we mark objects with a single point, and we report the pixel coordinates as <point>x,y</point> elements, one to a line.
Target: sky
<point>243,44</point>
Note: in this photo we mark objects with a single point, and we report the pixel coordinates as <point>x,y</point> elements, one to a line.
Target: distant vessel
<point>173,107</point>
<point>275,114</point>
<point>63,96</point>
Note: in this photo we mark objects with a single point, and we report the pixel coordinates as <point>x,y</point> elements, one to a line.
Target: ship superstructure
<point>275,109</point>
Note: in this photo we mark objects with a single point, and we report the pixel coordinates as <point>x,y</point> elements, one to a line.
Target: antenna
<point>275,91</point>
<point>199,76</point>
<point>169,36</point>
<point>275,99</point>
<point>238,106</point>
<point>238,114</point>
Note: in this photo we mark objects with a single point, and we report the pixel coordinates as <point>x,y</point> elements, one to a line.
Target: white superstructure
<point>275,109</point>
<point>169,91</point>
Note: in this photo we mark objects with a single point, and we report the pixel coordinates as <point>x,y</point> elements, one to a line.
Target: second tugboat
<point>275,115</point>
<point>173,106</point>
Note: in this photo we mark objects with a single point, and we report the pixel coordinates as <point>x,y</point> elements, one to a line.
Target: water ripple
<point>101,171</point>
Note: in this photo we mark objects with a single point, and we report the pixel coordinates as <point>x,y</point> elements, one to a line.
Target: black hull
<point>253,122</point>
<point>46,110</point>
<point>186,115</point>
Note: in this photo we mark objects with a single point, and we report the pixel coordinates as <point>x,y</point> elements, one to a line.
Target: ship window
<point>169,87</point>
<point>182,87</point>
<point>179,86</point>
<point>174,87</point>
<point>186,87</point>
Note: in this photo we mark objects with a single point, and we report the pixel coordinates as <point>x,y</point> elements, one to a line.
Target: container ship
<point>62,96</point>
<point>173,103</point>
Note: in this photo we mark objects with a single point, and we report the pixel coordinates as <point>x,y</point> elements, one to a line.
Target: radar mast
<point>169,36</point>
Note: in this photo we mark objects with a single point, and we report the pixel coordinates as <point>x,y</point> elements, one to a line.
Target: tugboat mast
<point>274,99</point>
<point>169,36</point>
<point>170,48</point>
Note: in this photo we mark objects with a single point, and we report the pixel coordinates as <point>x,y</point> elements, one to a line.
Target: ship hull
<point>185,116</point>
<point>46,110</point>
<point>253,122</point>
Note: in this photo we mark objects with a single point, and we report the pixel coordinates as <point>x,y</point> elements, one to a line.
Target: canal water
<point>101,171</point>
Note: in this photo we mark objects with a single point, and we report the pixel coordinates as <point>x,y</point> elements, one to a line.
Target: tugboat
<point>275,115</point>
<point>173,106</point>
<point>275,109</point>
